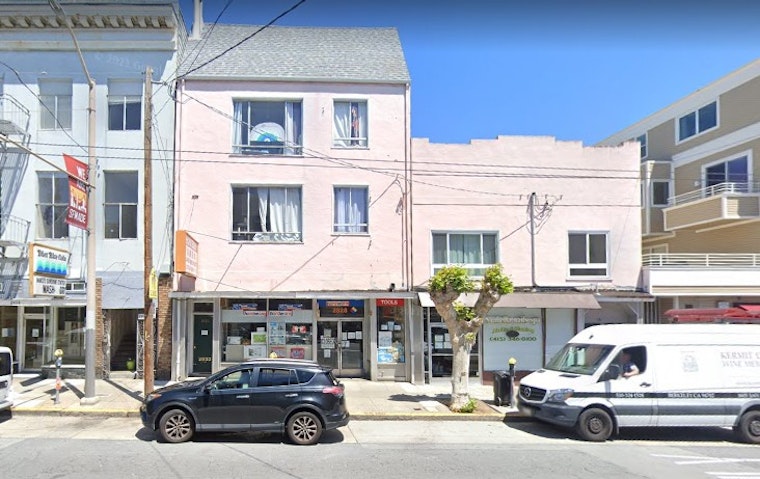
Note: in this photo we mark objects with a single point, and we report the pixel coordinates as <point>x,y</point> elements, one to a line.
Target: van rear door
<point>6,377</point>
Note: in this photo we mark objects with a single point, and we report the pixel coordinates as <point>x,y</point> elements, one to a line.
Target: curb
<point>74,412</point>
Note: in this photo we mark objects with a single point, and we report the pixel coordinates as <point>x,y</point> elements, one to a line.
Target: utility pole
<point>89,320</point>
<point>148,234</point>
<point>531,206</point>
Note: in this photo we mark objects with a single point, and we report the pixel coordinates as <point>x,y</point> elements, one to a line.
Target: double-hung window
<point>266,214</point>
<point>121,189</point>
<point>55,104</point>
<point>588,254</point>
<point>350,124</point>
<point>51,207</point>
<point>351,207</point>
<point>124,105</point>
<point>263,127</point>
<point>474,251</point>
<point>698,121</point>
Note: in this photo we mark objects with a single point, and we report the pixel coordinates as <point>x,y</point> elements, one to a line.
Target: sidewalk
<point>375,400</point>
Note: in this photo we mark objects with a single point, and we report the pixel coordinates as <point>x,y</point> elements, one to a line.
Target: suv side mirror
<point>612,372</point>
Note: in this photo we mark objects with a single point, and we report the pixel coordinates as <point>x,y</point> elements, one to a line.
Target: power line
<point>229,49</point>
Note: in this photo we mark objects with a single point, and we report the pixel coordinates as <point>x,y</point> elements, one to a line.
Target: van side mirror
<point>612,372</point>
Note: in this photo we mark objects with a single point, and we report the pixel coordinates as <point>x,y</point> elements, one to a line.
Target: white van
<point>6,377</point>
<point>684,375</point>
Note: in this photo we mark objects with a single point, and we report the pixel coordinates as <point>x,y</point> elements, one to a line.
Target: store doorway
<point>203,322</point>
<point>36,341</point>
<point>341,346</point>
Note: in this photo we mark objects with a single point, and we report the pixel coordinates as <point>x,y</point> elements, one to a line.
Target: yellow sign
<point>153,284</point>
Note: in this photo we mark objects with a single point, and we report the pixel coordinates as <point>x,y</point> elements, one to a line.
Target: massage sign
<point>48,269</point>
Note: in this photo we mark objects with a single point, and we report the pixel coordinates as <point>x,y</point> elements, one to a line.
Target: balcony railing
<point>702,260</point>
<point>14,231</point>
<point>714,190</point>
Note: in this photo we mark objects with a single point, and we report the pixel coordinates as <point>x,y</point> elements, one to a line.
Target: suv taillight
<point>334,390</point>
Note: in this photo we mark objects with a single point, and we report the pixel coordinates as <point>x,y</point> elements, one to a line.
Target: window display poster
<point>384,339</point>
<point>258,337</point>
<point>298,353</point>
<point>327,342</point>
<point>280,351</point>
<point>277,333</point>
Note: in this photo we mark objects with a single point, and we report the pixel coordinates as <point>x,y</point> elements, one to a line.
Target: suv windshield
<point>579,358</point>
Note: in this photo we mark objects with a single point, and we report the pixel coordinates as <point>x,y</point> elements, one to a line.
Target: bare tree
<point>464,322</point>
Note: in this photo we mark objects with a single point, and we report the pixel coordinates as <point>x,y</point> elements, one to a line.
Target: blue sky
<point>573,69</point>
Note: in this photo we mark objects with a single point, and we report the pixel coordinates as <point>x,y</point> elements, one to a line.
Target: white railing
<point>14,117</point>
<point>714,190</point>
<point>702,260</point>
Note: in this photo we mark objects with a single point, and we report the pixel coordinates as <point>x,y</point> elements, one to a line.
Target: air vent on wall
<point>76,286</point>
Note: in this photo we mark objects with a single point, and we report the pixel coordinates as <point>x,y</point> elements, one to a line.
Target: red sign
<point>390,302</point>
<point>76,213</point>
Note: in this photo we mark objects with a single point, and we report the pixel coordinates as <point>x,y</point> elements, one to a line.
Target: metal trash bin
<point>502,388</point>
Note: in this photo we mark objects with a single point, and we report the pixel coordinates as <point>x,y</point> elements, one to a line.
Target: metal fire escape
<point>14,231</point>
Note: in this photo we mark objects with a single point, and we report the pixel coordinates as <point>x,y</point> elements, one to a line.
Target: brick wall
<point>164,328</point>
<point>99,328</point>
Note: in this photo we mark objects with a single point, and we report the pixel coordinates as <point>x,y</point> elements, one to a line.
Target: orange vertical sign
<point>76,213</point>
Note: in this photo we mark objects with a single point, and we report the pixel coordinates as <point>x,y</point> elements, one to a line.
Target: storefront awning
<point>530,300</point>
<point>747,313</point>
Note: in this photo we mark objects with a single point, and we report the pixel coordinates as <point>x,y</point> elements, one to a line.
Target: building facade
<point>700,198</point>
<point>290,197</point>
<point>561,218</point>
<point>45,95</point>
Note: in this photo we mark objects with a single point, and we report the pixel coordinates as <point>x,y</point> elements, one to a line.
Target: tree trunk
<point>460,372</point>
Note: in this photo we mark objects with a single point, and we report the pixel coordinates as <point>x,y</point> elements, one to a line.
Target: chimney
<point>198,20</point>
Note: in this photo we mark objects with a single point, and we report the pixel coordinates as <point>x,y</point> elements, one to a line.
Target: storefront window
<point>391,331</point>
<point>439,356</point>
<point>70,334</point>
<point>513,333</point>
<point>258,328</point>
<point>8,321</point>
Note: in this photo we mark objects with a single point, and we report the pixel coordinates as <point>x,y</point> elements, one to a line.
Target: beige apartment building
<point>700,200</point>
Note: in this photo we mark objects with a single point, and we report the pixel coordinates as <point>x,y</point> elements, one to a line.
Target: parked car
<point>298,397</point>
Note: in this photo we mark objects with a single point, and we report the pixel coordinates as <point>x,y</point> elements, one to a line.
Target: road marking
<point>688,460</point>
<point>735,475</point>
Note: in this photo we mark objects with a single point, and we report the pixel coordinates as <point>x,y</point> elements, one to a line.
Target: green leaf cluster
<point>495,280</point>
<point>469,406</point>
<point>452,278</point>
<point>464,313</point>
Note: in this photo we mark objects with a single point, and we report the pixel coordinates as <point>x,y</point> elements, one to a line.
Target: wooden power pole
<point>148,365</point>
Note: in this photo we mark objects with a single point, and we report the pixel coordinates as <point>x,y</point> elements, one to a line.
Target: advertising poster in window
<point>516,335</point>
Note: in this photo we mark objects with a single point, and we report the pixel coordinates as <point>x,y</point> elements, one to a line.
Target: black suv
<point>299,397</point>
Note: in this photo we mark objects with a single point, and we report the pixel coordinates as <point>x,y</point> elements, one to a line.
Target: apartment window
<point>267,128</point>
<point>474,251</point>
<point>660,192</point>
<point>351,207</point>
<point>588,254</point>
<point>643,145</point>
<point>55,104</point>
<point>350,124</point>
<point>53,200</point>
<point>267,214</point>
<point>698,121</point>
<point>733,173</point>
<point>124,105</point>
<point>121,204</point>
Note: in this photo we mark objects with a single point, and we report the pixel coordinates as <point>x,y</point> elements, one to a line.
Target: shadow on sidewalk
<point>134,395</point>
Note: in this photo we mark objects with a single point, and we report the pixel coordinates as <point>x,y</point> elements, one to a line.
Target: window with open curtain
<point>267,127</point>
<point>351,215</point>
<point>350,124</point>
<point>476,251</point>
<point>266,214</point>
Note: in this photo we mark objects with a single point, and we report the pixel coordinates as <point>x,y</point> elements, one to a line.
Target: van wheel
<point>749,427</point>
<point>595,425</point>
<point>176,425</point>
<point>304,428</point>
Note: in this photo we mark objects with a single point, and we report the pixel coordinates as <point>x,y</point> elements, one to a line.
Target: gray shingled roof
<point>299,53</point>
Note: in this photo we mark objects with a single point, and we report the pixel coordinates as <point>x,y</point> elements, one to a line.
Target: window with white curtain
<point>588,254</point>
<point>351,208</point>
<point>266,214</point>
<point>53,195</point>
<point>267,127</point>
<point>350,124</point>
<point>55,104</point>
<point>124,105</point>
<point>474,251</point>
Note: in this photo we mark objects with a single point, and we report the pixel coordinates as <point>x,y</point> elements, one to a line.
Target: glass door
<point>36,350</point>
<point>341,346</point>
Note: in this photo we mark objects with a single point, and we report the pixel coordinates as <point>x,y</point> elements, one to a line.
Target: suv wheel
<point>304,428</point>
<point>176,425</point>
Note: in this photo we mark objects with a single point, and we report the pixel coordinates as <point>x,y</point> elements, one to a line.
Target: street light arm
<point>59,11</point>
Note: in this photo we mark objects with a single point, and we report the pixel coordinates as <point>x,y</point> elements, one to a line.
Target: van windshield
<point>579,358</point>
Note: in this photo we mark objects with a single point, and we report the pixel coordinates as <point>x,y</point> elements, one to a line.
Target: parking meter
<point>58,363</point>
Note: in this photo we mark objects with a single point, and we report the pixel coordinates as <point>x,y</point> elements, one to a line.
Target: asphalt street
<point>84,447</point>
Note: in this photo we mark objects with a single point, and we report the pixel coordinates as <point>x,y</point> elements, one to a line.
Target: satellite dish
<point>267,132</point>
